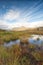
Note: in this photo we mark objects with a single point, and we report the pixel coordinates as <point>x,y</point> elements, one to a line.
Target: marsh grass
<point>7,36</point>
<point>13,55</point>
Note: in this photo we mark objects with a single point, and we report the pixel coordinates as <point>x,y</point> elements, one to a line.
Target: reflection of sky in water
<point>34,40</point>
<point>12,43</point>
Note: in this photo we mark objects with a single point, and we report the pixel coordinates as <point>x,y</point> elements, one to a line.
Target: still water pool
<point>34,39</point>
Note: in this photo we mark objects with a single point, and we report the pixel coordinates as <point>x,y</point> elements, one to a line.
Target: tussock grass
<point>7,36</point>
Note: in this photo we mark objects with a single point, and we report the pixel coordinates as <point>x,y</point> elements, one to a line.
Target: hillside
<point>22,28</point>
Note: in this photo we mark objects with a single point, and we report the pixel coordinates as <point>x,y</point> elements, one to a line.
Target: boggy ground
<point>21,54</point>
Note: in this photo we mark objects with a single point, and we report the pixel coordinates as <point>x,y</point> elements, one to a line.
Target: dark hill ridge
<point>40,28</point>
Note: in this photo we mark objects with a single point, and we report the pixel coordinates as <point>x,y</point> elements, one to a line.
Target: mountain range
<point>22,28</point>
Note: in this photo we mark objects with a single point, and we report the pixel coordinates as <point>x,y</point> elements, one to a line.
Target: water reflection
<point>34,39</point>
<point>11,43</point>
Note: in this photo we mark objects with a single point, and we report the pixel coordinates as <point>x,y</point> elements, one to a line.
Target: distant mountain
<point>22,28</point>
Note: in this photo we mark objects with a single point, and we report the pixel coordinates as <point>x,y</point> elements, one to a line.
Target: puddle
<point>34,39</point>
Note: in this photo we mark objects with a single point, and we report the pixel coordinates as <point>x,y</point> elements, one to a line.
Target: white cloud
<point>12,15</point>
<point>30,24</point>
<point>6,25</point>
<point>36,24</point>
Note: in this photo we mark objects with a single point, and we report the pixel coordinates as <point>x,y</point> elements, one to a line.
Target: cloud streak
<point>17,21</point>
<point>27,17</point>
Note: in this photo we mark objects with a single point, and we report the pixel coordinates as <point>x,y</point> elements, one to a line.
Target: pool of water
<point>34,39</point>
<point>7,44</point>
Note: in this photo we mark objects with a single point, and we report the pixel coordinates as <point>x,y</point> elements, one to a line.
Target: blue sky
<point>16,13</point>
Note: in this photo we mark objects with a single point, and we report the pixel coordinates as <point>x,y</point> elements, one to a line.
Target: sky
<point>17,13</point>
